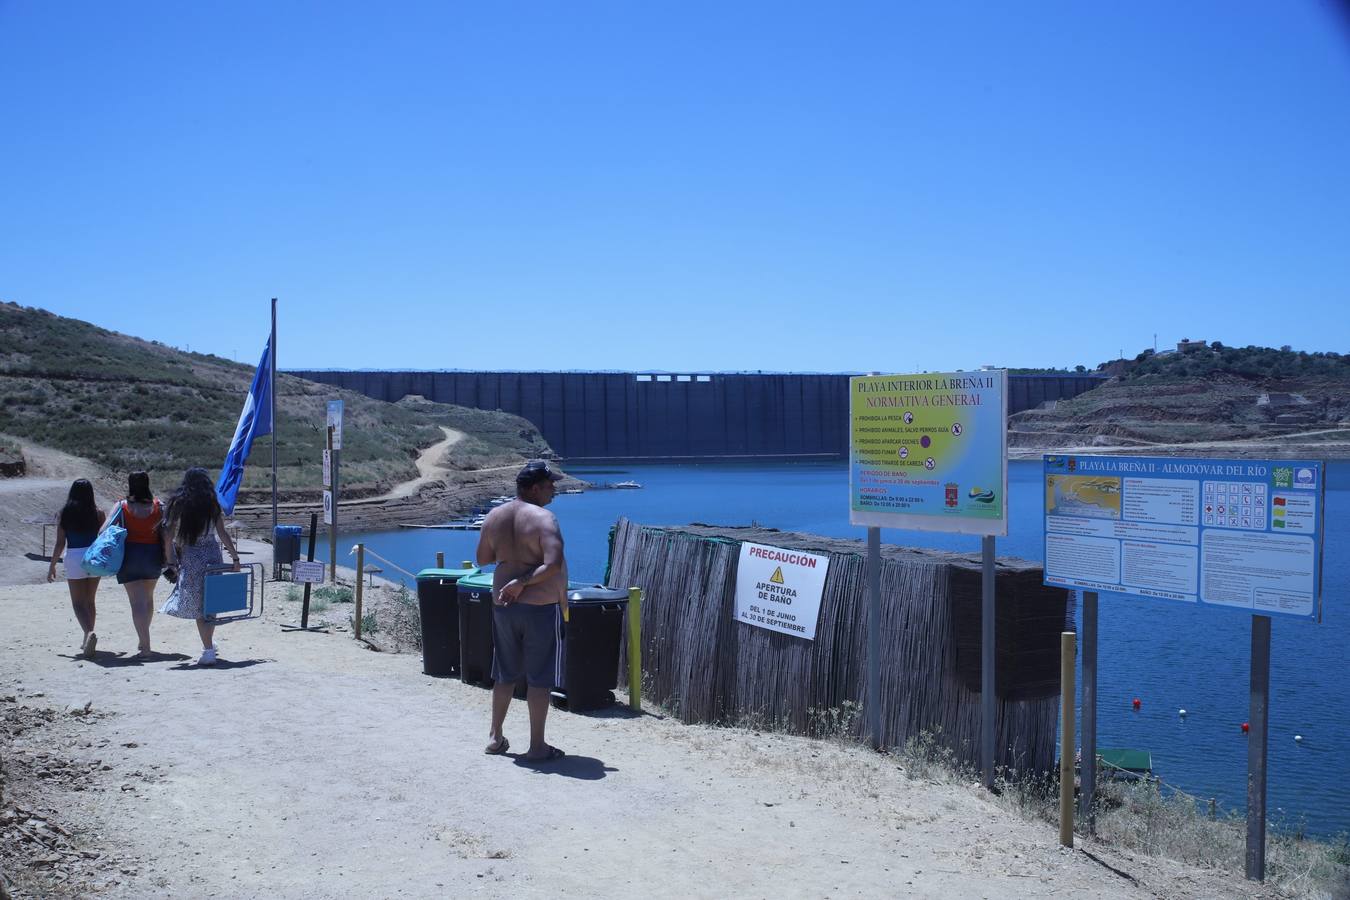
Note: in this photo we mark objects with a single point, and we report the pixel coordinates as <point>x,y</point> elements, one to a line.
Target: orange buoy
<point>1245,728</point>
<point>1136,704</point>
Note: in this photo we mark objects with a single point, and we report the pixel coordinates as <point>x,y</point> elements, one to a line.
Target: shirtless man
<point>529,593</point>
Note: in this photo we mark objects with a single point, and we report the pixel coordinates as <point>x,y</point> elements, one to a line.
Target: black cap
<point>535,471</point>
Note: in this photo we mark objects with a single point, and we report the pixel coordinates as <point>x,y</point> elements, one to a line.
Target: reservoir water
<point>1169,655</point>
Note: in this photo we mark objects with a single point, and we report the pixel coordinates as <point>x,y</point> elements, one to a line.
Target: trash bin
<point>286,544</point>
<point>475,629</point>
<point>593,632</point>
<point>438,603</point>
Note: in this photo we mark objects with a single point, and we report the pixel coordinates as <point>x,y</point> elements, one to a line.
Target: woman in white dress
<point>190,546</point>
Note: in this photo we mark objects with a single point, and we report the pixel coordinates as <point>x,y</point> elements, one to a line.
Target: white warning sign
<point>780,589</point>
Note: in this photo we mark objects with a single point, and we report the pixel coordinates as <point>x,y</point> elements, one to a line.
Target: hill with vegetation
<point>1206,398</point>
<point>127,404</point>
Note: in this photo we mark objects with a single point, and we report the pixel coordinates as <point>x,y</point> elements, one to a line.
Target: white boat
<point>627,484</point>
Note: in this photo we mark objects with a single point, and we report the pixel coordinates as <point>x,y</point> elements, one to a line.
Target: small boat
<point>1122,764</point>
<point>627,484</point>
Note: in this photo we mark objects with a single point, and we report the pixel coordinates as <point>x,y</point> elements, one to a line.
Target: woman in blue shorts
<point>143,561</point>
<point>76,527</point>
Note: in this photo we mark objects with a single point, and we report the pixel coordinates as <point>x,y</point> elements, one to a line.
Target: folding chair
<point>230,596</point>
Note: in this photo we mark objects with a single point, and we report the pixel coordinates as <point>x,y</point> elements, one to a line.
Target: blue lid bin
<point>438,604</point>
<point>286,544</point>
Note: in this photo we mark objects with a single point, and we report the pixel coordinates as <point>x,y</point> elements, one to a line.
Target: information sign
<point>929,452</point>
<point>328,507</point>
<point>307,572</point>
<point>780,589</point>
<point>335,422</point>
<point>1234,533</point>
<point>327,468</point>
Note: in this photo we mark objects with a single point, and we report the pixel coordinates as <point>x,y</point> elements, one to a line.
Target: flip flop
<point>502,746</point>
<point>553,755</point>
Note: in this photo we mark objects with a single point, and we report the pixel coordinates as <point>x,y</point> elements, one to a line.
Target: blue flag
<point>254,421</point>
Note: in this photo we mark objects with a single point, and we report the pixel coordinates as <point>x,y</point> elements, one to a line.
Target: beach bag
<point>104,556</point>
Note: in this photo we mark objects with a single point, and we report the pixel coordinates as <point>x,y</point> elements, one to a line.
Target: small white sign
<point>306,572</point>
<point>328,507</point>
<point>780,589</point>
<point>327,469</point>
<point>335,422</point>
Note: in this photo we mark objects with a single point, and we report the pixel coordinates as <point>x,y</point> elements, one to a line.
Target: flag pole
<point>272,357</point>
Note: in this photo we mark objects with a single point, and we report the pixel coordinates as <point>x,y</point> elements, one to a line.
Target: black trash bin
<point>593,633</point>
<point>286,544</point>
<point>475,629</point>
<point>438,602</point>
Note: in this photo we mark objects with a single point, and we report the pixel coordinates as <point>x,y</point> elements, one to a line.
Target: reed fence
<point>705,666</point>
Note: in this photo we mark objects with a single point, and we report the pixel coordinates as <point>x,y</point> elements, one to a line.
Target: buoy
<point>1299,738</point>
<point>1246,728</point>
<point>1182,713</point>
<point>1136,703</point>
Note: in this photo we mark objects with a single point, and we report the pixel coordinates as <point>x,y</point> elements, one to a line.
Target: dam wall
<point>618,415</point>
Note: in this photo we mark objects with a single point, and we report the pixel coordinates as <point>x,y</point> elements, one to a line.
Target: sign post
<point>330,494</point>
<point>929,452</point>
<point>1220,534</point>
<point>874,635</point>
<point>1089,718</point>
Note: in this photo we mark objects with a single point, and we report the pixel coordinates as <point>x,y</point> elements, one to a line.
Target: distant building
<point>1186,345</point>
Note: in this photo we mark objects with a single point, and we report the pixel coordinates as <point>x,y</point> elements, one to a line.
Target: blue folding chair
<point>231,596</point>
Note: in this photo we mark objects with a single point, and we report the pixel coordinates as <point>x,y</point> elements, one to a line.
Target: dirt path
<point>429,466</point>
<point>308,766</point>
<point>37,497</point>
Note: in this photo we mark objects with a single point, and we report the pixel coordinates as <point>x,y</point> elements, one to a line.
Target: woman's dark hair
<point>193,507</point>
<point>138,487</point>
<point>79,513</point>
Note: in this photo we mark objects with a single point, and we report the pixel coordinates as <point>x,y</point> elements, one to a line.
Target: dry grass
<point>1142,817</point>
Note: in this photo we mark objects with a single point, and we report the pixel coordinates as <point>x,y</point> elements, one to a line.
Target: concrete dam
<point>616,415</point>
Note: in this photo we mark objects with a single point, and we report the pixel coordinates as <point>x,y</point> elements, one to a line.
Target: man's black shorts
<point>527,641</point>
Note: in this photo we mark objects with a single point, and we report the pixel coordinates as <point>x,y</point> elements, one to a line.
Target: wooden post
<point>1257,739</point>
<point>635,648</point>
<point>440,559</point>
<point>360,567</point>
<point>313,528</point>
<point>1089,739</point>
<point>1066,742</point>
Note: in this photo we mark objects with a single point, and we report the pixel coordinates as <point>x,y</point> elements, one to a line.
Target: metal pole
<point>440,559</point>
<point>1089,725</point>
<point>874,636</point>
<point>1256,749</point>
<point>1066,694</point>
<point>988,705</point>
<point>333,515</point>
<point>272,361</point>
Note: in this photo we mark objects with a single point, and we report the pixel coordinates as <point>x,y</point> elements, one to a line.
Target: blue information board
<point>1236,534</point>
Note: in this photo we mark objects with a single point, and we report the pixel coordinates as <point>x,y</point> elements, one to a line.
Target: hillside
<point>127,404</point>
<point>1209,400</point>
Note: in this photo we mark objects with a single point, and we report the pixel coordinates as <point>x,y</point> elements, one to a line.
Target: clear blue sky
<point>683,186</point>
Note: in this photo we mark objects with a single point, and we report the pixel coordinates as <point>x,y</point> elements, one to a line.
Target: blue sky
<point>719,186</point>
